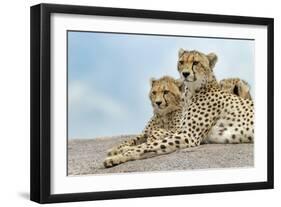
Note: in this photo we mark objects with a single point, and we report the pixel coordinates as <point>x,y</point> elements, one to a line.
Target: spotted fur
<point>209,113</point>
<point>165,98</point>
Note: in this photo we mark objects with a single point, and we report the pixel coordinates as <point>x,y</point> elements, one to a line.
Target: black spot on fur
<point>162,146</point>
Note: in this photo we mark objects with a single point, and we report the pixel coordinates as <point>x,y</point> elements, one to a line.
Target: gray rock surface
<point>86,157</point>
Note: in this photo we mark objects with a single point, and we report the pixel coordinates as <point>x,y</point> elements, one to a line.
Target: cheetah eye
<point>195,63</point>
<point>166,92</point>
<point>153,92</point>
<point>181,62</point>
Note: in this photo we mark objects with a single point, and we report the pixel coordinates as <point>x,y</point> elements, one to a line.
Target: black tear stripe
<point>165,99</point>
<point>193,72</point>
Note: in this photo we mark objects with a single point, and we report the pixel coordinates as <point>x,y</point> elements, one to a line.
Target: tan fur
<point>166,115</point>
<point>236,86</point>
<point>210,114</point>
<point>167,92</point>
<point>199,68</point>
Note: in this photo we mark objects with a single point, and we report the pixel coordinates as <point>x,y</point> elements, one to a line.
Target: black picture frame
<point>41,102</point>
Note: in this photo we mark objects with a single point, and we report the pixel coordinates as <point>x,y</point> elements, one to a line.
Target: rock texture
<point>86,157</point>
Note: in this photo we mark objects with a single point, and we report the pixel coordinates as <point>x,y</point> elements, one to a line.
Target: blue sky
<point>108,76</point>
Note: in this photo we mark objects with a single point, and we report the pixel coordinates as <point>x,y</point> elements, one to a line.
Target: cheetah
<point>165,98</point>
<point>160,122</point>
<point>210,112</point>
<point>236,86</point>
<point>232,120</point>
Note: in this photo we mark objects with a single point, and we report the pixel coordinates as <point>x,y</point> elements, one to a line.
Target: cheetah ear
<point>244,84</point>
<point>179,83</point>
<point>213,58</point>
<point>181,51</point>
<point>152,81</point>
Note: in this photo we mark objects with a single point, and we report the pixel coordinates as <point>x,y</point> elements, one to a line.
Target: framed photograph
<point>131,103</point>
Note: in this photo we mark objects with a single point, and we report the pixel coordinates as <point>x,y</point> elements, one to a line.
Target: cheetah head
<point>165,95</point>
<point>237,87</point>
<point>196,67</point>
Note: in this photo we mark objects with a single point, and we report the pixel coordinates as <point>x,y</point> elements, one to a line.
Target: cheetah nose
<point>158,102</point>
<point>186,74</point>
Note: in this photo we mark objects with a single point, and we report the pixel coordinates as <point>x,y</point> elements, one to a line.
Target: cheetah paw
<point>113,161</point>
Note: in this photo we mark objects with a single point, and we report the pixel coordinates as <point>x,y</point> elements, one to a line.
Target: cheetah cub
<point>236,86</point>
<point>165,98</point>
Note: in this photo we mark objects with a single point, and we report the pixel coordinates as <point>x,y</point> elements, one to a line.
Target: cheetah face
<point>165,95</point>
<point>195,66</point>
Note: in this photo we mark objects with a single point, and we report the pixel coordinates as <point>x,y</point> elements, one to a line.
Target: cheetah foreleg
<point>152,136</point>
<point>124,146</point>
<point>147,150</point>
